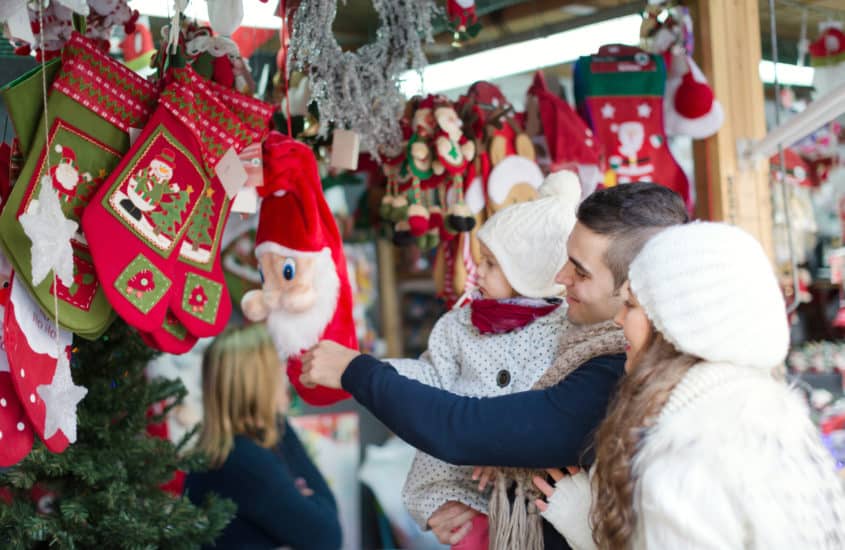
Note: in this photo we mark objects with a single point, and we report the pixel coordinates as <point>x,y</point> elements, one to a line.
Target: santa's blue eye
<point>261,274</point>
<point>289,269</point>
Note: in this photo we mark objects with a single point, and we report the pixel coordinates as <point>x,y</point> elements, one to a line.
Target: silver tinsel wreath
<point>359,90</point>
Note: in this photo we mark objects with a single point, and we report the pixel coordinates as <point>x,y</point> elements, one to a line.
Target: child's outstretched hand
<point>567,505</point>
<point>325,363</point>
<point>484,475</point>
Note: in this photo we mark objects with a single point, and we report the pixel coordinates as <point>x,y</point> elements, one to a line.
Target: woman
<point>256,459</point>
<point>702,446</point>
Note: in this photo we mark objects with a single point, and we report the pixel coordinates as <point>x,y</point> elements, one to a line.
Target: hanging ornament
<point>463,20</point>
<point>359,90</point>
<point>32,345</point>
<point>827,56</point>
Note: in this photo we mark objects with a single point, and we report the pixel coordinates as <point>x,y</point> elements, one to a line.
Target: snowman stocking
<point>200,300</point>
<point>620,93</point>
<point>93,104</point>
<point>141,213</point>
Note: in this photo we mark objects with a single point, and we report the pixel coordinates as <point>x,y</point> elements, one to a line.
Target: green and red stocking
<point>94,101</point>
<point>619,92</point>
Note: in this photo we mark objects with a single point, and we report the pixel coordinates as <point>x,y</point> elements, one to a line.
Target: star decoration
<point>643,110</point>
<point>103,172</point>
<point>60,397</point>
<point>209,192</point>
<point>607,111</point>
<point>190,189</point>
<point>50,232</point>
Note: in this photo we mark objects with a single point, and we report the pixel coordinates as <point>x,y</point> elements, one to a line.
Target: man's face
<point>590,291</point>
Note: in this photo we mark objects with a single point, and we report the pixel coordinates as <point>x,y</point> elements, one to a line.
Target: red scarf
<point>500,317</point>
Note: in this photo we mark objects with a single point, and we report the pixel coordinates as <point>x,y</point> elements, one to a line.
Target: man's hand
<point>451,522</point>
<point>325,363</point>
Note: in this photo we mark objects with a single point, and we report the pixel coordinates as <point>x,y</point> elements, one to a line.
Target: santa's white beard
<point>293,332</point>
<point>67,176</point>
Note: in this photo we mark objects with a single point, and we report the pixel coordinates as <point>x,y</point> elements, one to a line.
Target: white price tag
<point>231,173</point>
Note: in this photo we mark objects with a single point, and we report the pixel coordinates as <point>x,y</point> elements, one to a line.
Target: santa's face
<point>300,294</point>
<point>631,137</point>
<point>448,121</point>
<point>161,170</point>
<point>288,282</point>
<point>66,176</point>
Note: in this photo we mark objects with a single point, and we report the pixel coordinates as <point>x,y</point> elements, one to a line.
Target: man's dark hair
<point>630,214</point>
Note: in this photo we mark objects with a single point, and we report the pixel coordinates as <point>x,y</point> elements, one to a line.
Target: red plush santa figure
<point>65,175</point>
<point>305,296</point>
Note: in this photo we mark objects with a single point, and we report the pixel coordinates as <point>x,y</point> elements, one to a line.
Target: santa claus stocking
<point>40,372</point>
<point>94,102</point>
<point>620,94</point>
<point>200,299</point>
<point>140,215</point>
<point>16,434</point>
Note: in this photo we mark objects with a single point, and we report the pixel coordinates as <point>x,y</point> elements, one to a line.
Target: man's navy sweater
<point>272,511</point>
<point>532,429</point>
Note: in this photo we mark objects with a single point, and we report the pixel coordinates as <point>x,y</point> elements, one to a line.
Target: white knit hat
<point>529,239</point>
<point>710,290</point>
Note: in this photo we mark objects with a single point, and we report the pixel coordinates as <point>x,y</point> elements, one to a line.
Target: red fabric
<point>29,369</point>
<point>478,537</point>
<point>250,39</point>
<point>306,224</point>
<point>497,317</point>
<point>568,138</point>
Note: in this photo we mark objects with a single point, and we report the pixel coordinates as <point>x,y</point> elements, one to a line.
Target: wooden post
<point>391,320</point>
<point>728,50</point>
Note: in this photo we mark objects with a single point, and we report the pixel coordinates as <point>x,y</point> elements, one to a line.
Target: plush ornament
<point>89,133</point>
<point>453,148</point>
<point>137,48</point>
<point>40,374</point>
<point>17,434</point>
<point>52,30</point>
<point>104,16</point>
<point>569,142</point>
<point>690,108</point>
<point>463,19</point>
<point>306,295</point>
<point>161,211</point>
<point>515,179</point>
<point>827,56</point>
<point>619,93</point>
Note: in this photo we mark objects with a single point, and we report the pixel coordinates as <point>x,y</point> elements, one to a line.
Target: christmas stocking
<point>200,298</point>
<point>41,375</point>
<point>94,102</point>
<point>619,93</point>
<point>138,218</point>
<point>16,435</point>
<point>24,100</point>
<point>171,338</point>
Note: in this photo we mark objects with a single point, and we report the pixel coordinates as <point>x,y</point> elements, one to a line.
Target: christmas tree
<point>107,484</point>
<point>199,230</point>
<point>169,214</point>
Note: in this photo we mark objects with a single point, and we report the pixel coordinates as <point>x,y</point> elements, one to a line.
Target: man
<point>537,428</point>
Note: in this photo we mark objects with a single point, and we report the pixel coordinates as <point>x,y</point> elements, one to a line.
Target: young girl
<point>703,447</point>
<point>256,458</point>
<point>503,341</point>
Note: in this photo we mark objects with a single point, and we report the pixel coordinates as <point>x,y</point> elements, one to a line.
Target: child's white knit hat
<point>528,239</point>
<point>710,290</point>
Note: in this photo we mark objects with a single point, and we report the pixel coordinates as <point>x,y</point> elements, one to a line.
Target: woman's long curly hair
<point>641,395</point>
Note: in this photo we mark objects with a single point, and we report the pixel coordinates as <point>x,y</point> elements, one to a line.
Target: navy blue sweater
<point>271,510</point>
<point>535,429</point>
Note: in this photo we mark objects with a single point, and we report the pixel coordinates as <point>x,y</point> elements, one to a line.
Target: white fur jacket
<point>732,462</point>
<point>465,362</point>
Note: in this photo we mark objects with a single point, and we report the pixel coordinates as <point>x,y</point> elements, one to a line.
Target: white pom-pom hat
<point>528,239</point>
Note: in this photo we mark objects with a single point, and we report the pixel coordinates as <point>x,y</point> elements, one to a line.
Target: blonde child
<point>255,457</point>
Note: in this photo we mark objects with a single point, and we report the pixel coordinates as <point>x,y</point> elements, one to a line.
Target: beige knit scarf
<point>519,524</point>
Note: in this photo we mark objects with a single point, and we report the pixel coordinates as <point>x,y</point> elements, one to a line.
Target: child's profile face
<point>492,283</point>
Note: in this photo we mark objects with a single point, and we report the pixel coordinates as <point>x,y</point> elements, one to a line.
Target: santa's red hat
<point>166,156</point>
<point>295,220</point>
<point>67,153</point>
<point>690,108</point>
<point>829,47</point>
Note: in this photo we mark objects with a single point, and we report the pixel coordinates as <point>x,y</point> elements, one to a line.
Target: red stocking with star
<point>620,94</point>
